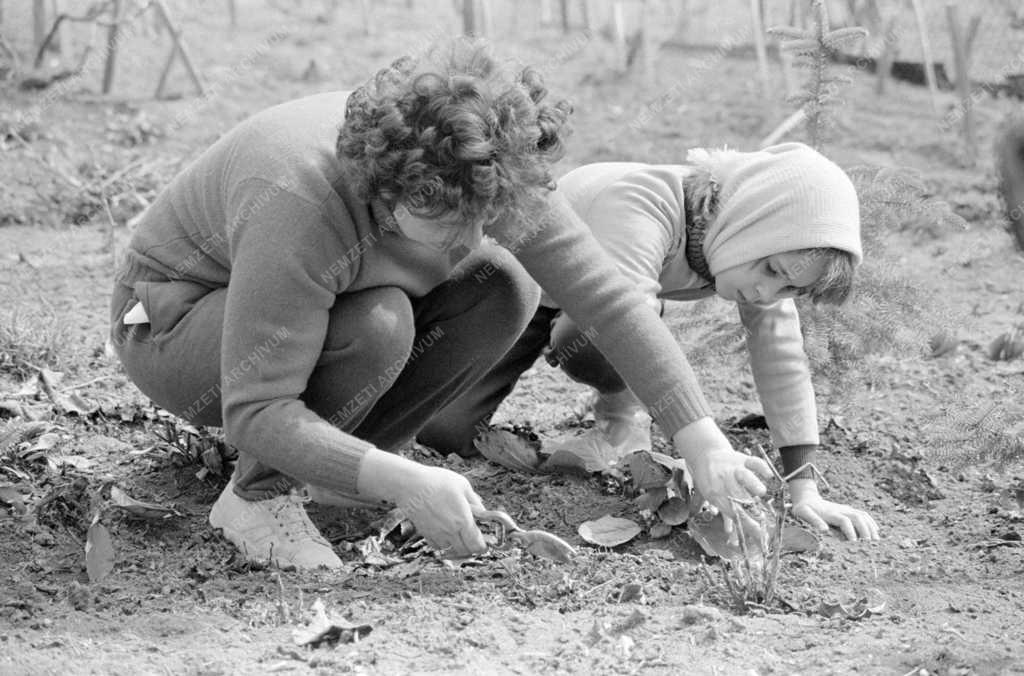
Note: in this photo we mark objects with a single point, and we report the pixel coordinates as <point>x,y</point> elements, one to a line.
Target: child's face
<point>783,275</point>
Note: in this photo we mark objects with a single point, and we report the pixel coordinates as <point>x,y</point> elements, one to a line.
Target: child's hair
<point>835,284</point>
<point>453,132</point>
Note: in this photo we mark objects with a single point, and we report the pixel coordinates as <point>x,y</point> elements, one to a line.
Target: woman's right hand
<point>439,502</point>
<point>720,473</point>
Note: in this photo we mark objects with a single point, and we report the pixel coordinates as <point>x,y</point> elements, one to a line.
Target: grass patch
<point>29,342</point>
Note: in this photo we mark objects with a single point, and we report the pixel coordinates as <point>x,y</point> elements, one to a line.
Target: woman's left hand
<point>810,507</point>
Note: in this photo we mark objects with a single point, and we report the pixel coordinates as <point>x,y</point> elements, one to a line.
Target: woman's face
<point>766,280</point>
<point>446,233</point>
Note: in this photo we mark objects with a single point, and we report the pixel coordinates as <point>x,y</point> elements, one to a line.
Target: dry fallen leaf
<point>709,533</point>
<point>143,510</point>
<point>99,551</point>
<point>608,531</point>
<point>660,530</point>
<point>675,511</point>
<point>646,471</point>
<point>327,629</point>
<point>11,496</point>
<point>566,462</point>
<point>652,498</point>
<point>508,450</point>
<point>797,539</point>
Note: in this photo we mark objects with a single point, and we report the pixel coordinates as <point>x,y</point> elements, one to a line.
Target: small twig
<point>818,476</point>
<point>87,383</point>
<point>73,182</point>
<point>603,584</point>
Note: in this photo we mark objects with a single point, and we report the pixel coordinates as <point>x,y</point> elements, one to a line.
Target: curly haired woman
<point>318,284</point>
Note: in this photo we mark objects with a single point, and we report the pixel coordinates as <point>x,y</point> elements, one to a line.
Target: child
<point>317,284</point>
<point>756,228</point>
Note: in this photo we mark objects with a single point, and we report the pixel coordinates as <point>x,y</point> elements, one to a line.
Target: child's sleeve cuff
<point>795,456</point>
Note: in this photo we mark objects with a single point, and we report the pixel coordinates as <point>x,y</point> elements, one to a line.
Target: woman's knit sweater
<point>266,212</point>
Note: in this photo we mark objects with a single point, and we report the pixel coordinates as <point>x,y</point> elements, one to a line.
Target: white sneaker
<point>277,531</point>
<point>623,422</point>
<point>621,426</point>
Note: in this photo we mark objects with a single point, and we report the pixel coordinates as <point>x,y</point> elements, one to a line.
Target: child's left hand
<point>810,507</point>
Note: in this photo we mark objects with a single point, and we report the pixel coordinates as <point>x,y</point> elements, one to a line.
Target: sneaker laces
<point>290,514</point>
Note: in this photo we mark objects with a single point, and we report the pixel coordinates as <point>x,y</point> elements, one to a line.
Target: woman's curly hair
<point>453,133</point>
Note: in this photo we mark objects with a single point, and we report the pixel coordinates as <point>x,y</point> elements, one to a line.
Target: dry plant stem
<point>772,569</point>
<point>741,536</point>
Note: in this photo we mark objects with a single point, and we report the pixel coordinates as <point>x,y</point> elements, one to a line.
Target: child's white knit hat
<point>783,198</point>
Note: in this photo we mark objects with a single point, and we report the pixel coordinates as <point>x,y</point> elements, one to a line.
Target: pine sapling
<point>813,49</point>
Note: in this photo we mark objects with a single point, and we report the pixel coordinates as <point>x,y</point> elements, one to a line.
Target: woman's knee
<point>511,296</point>
<point>374,326</point>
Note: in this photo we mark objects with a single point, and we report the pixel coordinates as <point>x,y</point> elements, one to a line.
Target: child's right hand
<point>720,473</point>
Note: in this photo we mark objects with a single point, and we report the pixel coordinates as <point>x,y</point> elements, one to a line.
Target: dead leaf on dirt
<point>675,511</point>
<point>79,462</point>
<point>647,473</point>
<point>71,404</point>
<point>631,591</point>
<point>796,539</point>
<point>508,450</point>
<point>370,550</point>
<point>668,461</point>
<point>99,551</point>
<point>942,343</point>
<point>852,610</point>
<point>699,615</point>
<point>563,461</point>
<point>652,498</point>
<point>12,409</point>
<point>543,544</point>
<point>608,531</point>
<point>11,497</point>
<point>660,530</point>
<point>709,532</point>
<point>328,629</point>
<point>38,449</point>
<point>1007,346</point>
<point>138,508</point>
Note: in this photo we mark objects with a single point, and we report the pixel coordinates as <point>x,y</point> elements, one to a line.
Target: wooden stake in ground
<point>619,38</point>
<point>38,22</point>
<point>926,52</point>
<point>963,81</point>
<point>757,22</point>
<point>178,48</point>
<point>112,40</point>
<point>469,17</point>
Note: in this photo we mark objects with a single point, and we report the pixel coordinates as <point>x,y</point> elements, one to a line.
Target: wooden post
<point>366,10</point>
<point>584,13</point>
<point>111,64</point>
<point>619,37</point>
<point>926,51</point>
<point>885,58</point>
<point>762,53</point>
<point>563,7</point>
<point>485,17</point>
<point>177,49</point>
<point>38,23</point>
<point>232,14</point>
<point>963,81</point>
<point>469,19</point>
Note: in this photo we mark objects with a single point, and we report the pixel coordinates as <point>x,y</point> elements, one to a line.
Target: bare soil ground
<point>904,443</point>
